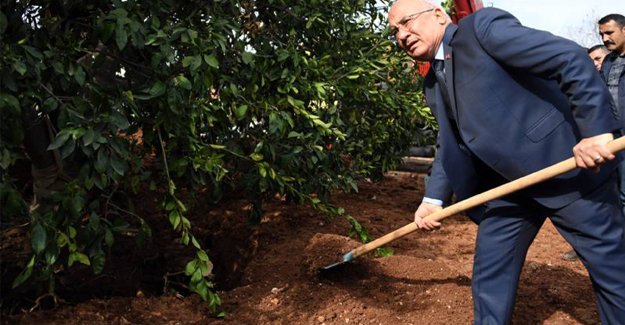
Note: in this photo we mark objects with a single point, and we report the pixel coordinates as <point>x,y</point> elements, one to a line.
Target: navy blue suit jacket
<point>521,99</point>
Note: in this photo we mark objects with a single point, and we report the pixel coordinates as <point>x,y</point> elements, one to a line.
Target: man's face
<point>417,28</point>
<point>597,57</point>
<point>613,36</point>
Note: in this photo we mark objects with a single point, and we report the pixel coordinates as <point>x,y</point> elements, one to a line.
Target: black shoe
<point>570,256</point>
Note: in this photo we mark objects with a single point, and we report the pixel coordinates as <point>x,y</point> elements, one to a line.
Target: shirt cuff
<point>433,201</point>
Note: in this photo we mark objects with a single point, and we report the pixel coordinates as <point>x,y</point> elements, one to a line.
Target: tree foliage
<point>260,97</point>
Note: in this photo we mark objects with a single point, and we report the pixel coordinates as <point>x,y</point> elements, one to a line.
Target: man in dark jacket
<point>612,31</point>
<point>511,100</point>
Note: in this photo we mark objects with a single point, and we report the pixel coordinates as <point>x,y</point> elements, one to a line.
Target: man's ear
<point>441,15</point>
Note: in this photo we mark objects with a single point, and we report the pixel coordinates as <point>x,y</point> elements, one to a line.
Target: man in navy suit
<point>511,100</point>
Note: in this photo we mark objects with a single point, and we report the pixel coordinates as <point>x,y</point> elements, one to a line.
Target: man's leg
<point>621,184</point>
<point>504,235</point>
<point>595,227</point>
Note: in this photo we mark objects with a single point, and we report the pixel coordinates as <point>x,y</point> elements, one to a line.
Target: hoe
<point>476,200</point>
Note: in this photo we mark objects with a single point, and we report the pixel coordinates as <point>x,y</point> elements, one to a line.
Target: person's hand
<point>591,152</point>
<point>424,210</point>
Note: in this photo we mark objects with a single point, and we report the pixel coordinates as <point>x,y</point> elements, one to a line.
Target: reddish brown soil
<point>270,272</point>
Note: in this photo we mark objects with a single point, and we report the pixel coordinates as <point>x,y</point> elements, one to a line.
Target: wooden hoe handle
<point>534,178</point>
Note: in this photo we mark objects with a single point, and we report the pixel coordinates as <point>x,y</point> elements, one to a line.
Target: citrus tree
<point>260,97</point>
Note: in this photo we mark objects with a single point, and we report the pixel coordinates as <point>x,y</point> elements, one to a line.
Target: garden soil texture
<point>268,273</point>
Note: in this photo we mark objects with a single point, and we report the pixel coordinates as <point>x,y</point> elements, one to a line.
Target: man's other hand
<point>591,152</point>
<point>424,210</point>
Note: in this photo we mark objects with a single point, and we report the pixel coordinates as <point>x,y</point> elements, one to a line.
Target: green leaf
<point>20,67</point>
<point>11,102</point>
<point>3,22</point>
<point>107,29</point>
<point>58,67</point>
<point>157,89</point>
<point>8,81</point>
<point>38,238</point>
<point>256,156</point>
<point>183,82</point>
<point>384,252</point>
<point>240,112</point>
<point>80,75</point>
<point>25,274</point>
<point>151,39</point>
<point>88,137</point>
<point>119,166</point>
<point>211,60</point>
<point>120,120</point>
<point>283,56</point>
<point>62,239</point>
<point>59,141</point>
<point>247,57</point>
<point>97,262</point>
<point>72,232</point>
<point>188,60</point>
<point>207,268</point>
<point>202,255</point>
<point>5,159</point>
<point>52,254</point>
<point>109,239</point>
<point>192,35</point>
<point>121,36</point>
<point>78,257</point>
<point>174,219</point>
<point>190,267</point>
<point>78,203</point>
<point>234,89</point>
<point>181,205</point>
<point>197,62</point>
<point>320,88</point>
<point>33,52</point>
<point>68,148</point>
<point>101,161</point>
<point>295,102</point>
<point>197,276</point>
<point>294,134</point>
<point>50,104</point>
<point>195,243</point>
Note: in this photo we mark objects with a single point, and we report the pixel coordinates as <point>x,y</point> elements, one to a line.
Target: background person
<point>510,100</point>
<point>612,32</point>
<point>597,53</point>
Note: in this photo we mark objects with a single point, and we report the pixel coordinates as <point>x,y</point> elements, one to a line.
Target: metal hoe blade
<point>346,258</point>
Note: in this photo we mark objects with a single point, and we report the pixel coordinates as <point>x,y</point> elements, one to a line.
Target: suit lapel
<point>449,76</point>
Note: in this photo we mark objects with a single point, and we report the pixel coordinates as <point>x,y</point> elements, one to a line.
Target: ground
<point>269,274</point>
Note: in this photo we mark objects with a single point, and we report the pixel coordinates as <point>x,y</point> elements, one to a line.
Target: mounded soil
<point>269,274</point>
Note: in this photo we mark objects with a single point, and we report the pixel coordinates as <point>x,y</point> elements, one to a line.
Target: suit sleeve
<point>438,186</point>
<point>551,57</point>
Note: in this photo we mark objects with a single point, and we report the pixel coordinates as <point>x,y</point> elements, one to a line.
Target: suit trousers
<point>621,183</point>
<point>593,225</point>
